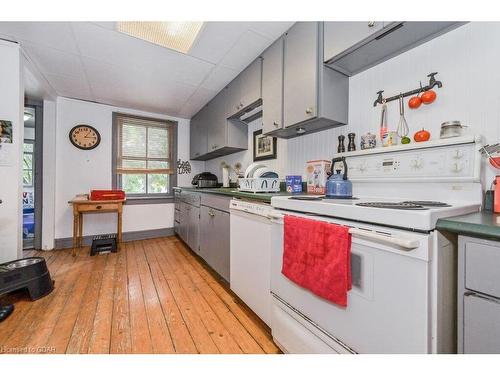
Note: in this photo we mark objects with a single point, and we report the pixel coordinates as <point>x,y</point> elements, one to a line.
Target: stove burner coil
<point>393,205</point>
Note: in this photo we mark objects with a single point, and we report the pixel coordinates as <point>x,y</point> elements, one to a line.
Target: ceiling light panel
<point>178,36</point>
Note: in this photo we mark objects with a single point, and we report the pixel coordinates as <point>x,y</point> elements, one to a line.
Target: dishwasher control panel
<point>261,209</point>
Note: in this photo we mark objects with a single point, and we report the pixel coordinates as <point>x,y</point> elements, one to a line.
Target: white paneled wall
<point>467,60</point>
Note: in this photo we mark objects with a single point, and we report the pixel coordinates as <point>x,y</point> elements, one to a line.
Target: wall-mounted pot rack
<point>432,83</point>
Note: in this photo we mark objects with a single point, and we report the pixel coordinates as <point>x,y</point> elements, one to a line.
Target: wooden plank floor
<point>153,296</point>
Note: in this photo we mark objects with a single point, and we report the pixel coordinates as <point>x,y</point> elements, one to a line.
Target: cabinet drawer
<point>482,265</point>
<point>98,207</point>
<point>481,325</point>
<point>215,201</point>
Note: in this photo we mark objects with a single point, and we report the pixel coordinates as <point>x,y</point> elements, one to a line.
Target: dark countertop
<point>233,192</point>
<point>482,224</point>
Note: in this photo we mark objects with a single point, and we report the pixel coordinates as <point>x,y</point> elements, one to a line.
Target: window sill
<point>148,200</point>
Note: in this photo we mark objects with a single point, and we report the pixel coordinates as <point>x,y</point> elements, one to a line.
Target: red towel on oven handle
<point>317,256</point>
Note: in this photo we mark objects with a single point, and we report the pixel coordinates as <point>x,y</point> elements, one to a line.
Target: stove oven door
<point>388,306</point>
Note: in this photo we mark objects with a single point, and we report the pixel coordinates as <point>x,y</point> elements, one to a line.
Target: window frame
<point>32,153</point>
<point>151,198</point>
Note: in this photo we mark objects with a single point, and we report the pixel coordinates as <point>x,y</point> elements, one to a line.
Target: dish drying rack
<point>492,152</point>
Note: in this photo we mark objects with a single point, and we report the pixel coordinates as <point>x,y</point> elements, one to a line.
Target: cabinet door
<point>183,220</point>
<point>194,228</point>
<point>250,84</point>
<point>339,36</point>
<point>214,239</point>
<point>272,87</point>
<point>198,134</point>
<point>481,325</point>
<point>300,73</point>
<point>233,98</point>
<point>218,122</point>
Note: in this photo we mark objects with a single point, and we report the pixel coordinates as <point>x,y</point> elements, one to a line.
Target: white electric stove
<point>403,298</point>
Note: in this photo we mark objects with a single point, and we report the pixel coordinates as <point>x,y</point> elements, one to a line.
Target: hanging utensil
<point>402,129</point>
<point>383,120</point>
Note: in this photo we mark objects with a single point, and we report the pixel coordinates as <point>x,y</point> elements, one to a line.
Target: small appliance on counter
<point>338,186</point>
<point>205,180</point>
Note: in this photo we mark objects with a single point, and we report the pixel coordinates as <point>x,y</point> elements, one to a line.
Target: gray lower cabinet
<point>187,218</point>
<point>214,239</point>
<point>478,296</point>
<point>202,221</point>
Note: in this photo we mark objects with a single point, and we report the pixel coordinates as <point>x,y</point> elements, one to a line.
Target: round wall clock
<point>85,137</point>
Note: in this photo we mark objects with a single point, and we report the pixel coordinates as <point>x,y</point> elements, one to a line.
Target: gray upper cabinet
<point>352,47</point>
<point>272,87</point>
<point>314,96</point>
<point>216,136</point>
<point>217,130</point>
<point>198,135</point>
<point>301,73</point>
<point>339,36</point>
<point>245,90</point>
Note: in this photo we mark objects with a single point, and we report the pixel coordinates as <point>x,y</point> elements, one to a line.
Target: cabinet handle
<point>98,207</point>
<point>309,111</point>
<point>371,23</point>
<point>275,123</point>
<point>211,213</point>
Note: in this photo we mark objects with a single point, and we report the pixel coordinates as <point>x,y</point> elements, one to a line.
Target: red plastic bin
<point>106,195</point>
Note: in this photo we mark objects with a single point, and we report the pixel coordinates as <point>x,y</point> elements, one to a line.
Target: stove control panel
<point>453,162</point>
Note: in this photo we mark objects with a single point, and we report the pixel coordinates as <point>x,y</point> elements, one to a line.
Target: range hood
<point>390,41</point>
<point>249,113</point>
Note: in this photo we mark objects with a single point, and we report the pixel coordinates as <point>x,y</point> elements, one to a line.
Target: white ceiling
<point>92,61</point>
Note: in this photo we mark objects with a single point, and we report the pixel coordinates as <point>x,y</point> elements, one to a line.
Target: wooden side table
<point>81,205</point>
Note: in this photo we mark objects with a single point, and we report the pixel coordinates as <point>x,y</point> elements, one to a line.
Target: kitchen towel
<point>317,256</point>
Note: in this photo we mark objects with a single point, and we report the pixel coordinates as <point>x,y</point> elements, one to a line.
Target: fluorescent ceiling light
<point>179,36</point>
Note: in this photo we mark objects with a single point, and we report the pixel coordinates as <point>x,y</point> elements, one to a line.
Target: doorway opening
<point>32,175</point>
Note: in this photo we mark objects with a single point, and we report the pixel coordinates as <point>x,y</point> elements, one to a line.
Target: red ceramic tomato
<point>428,96</point>
<point>422,136</point>
<point>414,102</point>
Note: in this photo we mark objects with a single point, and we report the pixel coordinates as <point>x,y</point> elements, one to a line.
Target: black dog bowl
<point>28,273</point>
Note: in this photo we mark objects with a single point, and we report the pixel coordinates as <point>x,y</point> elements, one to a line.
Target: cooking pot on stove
<point>337,185</point>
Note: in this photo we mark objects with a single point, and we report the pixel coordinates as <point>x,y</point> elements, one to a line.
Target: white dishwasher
<point>250,259</point>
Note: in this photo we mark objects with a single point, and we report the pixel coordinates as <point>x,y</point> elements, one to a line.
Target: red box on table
<point>106,195</point>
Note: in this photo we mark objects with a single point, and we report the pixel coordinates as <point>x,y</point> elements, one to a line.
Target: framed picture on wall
<point>264,146</point>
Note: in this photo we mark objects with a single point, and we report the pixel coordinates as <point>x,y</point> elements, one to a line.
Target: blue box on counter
<point>293,184</point>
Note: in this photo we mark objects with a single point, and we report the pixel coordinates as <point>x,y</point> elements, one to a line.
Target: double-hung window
<point>144,156</point>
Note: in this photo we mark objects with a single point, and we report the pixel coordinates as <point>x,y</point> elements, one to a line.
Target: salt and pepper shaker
<point>351,146</point>
<point>341,147</point>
